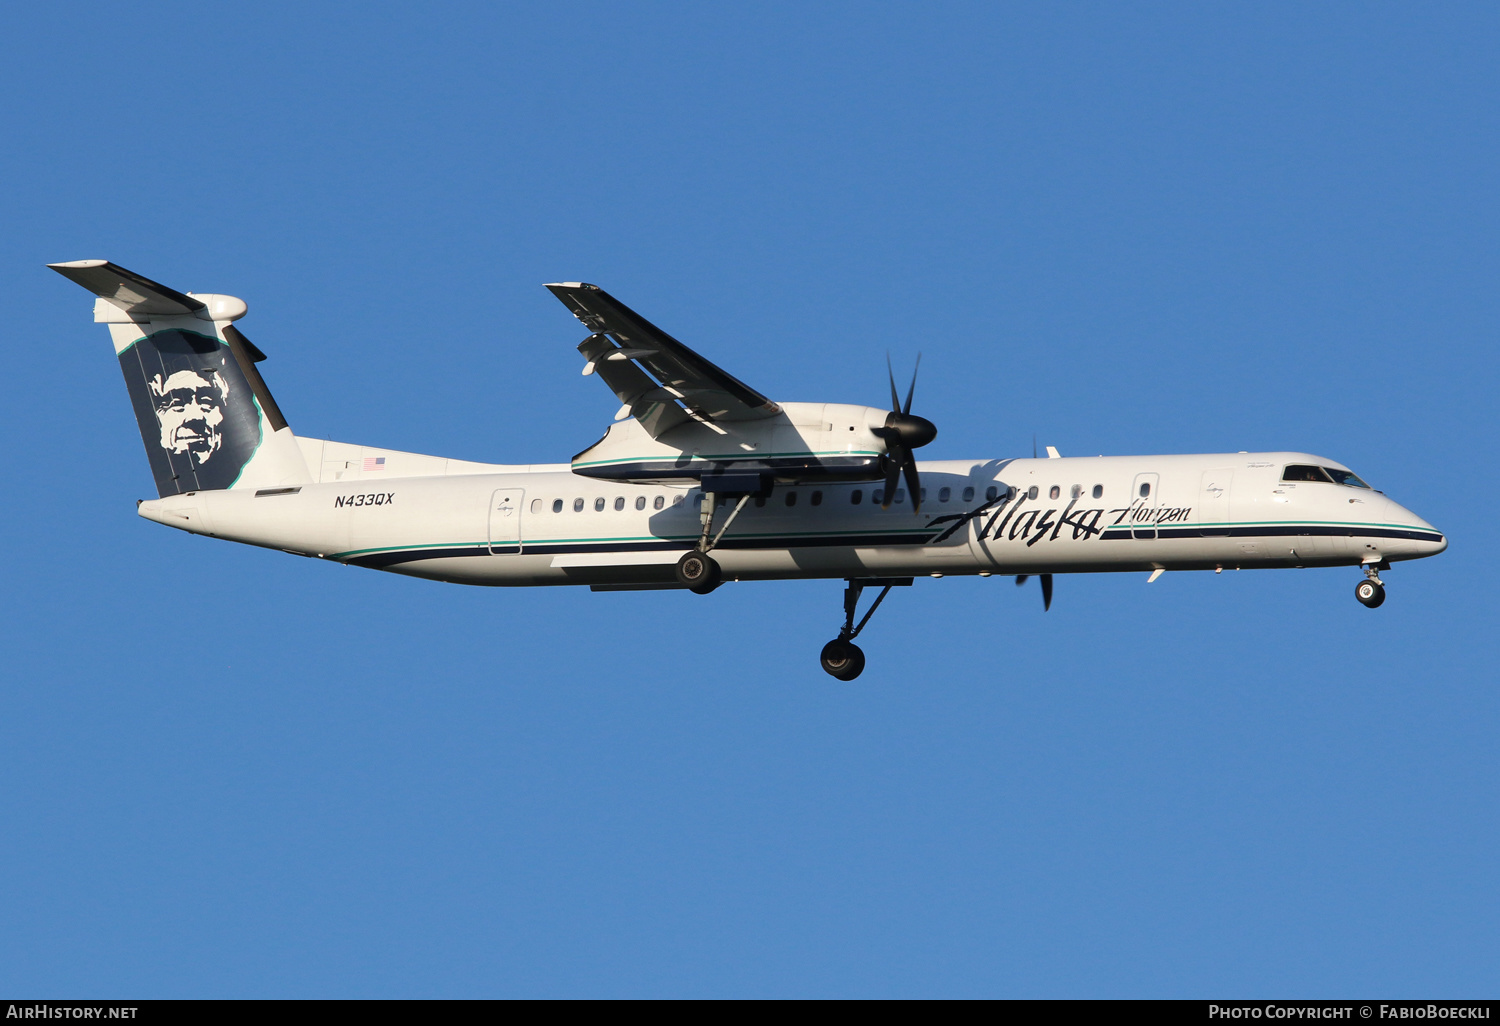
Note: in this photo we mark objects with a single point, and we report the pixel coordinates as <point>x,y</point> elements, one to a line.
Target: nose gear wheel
<point>841,658</point>
<point>1371,590</point>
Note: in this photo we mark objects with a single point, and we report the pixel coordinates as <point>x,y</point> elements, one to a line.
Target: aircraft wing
<point>662,381</point>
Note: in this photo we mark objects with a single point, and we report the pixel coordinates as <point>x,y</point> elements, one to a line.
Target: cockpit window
<point>1343,477</point>
<point>1299,472</point>
<point>1302,472</point>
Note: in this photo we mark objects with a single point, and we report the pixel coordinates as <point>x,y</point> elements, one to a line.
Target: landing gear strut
<point>841,658</point>
<point>1371,591</point>
<point>697,570</point>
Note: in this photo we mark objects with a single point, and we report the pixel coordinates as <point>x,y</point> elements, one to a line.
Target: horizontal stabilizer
<point>136,295</point>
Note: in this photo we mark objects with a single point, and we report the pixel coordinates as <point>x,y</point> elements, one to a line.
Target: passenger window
<point>1031,492</point>
<point>817,499</point>
<point>658,502</point>
<point>1054,492</point>
<point>1297,472</point>
<point>1098,491</point>
<point>1076,491</point>
<point>900,495</point>
<point>877,497</point>
<point>968,495</point>
<point>760,502</point>
<point>599,504</point>
<point>677,499</point>
<point>557,505</point>
<point>619,502</point>
<point>1145,489</point>
<point>536,505</point>
<point>991,493</point>
<point>856,497</point>
<point>944,494</point>
<point>921,495</point>
<point>640,502</point>
<point>577,505</point>
<point>791,498</point>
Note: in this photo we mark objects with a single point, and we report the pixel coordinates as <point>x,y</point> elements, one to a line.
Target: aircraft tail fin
<point>207,419</point>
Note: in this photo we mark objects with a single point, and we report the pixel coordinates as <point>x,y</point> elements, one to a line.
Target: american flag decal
<point>374,463</point>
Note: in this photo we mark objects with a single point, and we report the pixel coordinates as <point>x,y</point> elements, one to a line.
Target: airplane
<point>701,479</point>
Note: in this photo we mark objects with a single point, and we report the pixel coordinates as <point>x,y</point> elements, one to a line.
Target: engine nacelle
<point>805,443</point>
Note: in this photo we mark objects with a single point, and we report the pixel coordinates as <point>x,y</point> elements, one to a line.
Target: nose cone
<point>913,431</point>
<point>1435,544</point>
<point>1422,538</point>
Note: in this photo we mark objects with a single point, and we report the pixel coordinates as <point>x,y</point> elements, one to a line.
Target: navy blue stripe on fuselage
<point>379,560</point>
<point>1269,531</point>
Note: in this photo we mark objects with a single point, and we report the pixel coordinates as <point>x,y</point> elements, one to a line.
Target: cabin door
<point>1213,502</point>
<point>505,520</point>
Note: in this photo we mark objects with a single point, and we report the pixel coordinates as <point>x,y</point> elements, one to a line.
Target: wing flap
<point>650,370</point>
<point>633,386</point>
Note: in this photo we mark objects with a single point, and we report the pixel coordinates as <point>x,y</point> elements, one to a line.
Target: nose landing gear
<point>1371,591</point>
<point>841,658</point>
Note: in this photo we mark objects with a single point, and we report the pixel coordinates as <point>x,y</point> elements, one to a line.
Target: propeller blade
<point>907,407</point>
<point>903,433</point>
<point>1046,592</point>
<point>913,482</point>
<point>892,475</point>
<point>1022,579</point>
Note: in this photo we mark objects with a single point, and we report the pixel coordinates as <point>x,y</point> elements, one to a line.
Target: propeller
<point>903,433</point>
<point>1046,588</point>
<point>1046,578</point>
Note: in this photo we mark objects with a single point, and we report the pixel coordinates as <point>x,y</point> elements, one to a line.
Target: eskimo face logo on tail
<point>197,415</point>
<point>190,409</point>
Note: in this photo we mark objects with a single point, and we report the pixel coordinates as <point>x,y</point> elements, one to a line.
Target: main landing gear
<point>842,658</point>
<point>697,570</point>
<point>1371,590</point>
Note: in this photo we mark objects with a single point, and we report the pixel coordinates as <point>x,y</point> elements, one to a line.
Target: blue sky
<point>1122,228</point>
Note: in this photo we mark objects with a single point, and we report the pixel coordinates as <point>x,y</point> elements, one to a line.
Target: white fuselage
<point>545,525</point>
